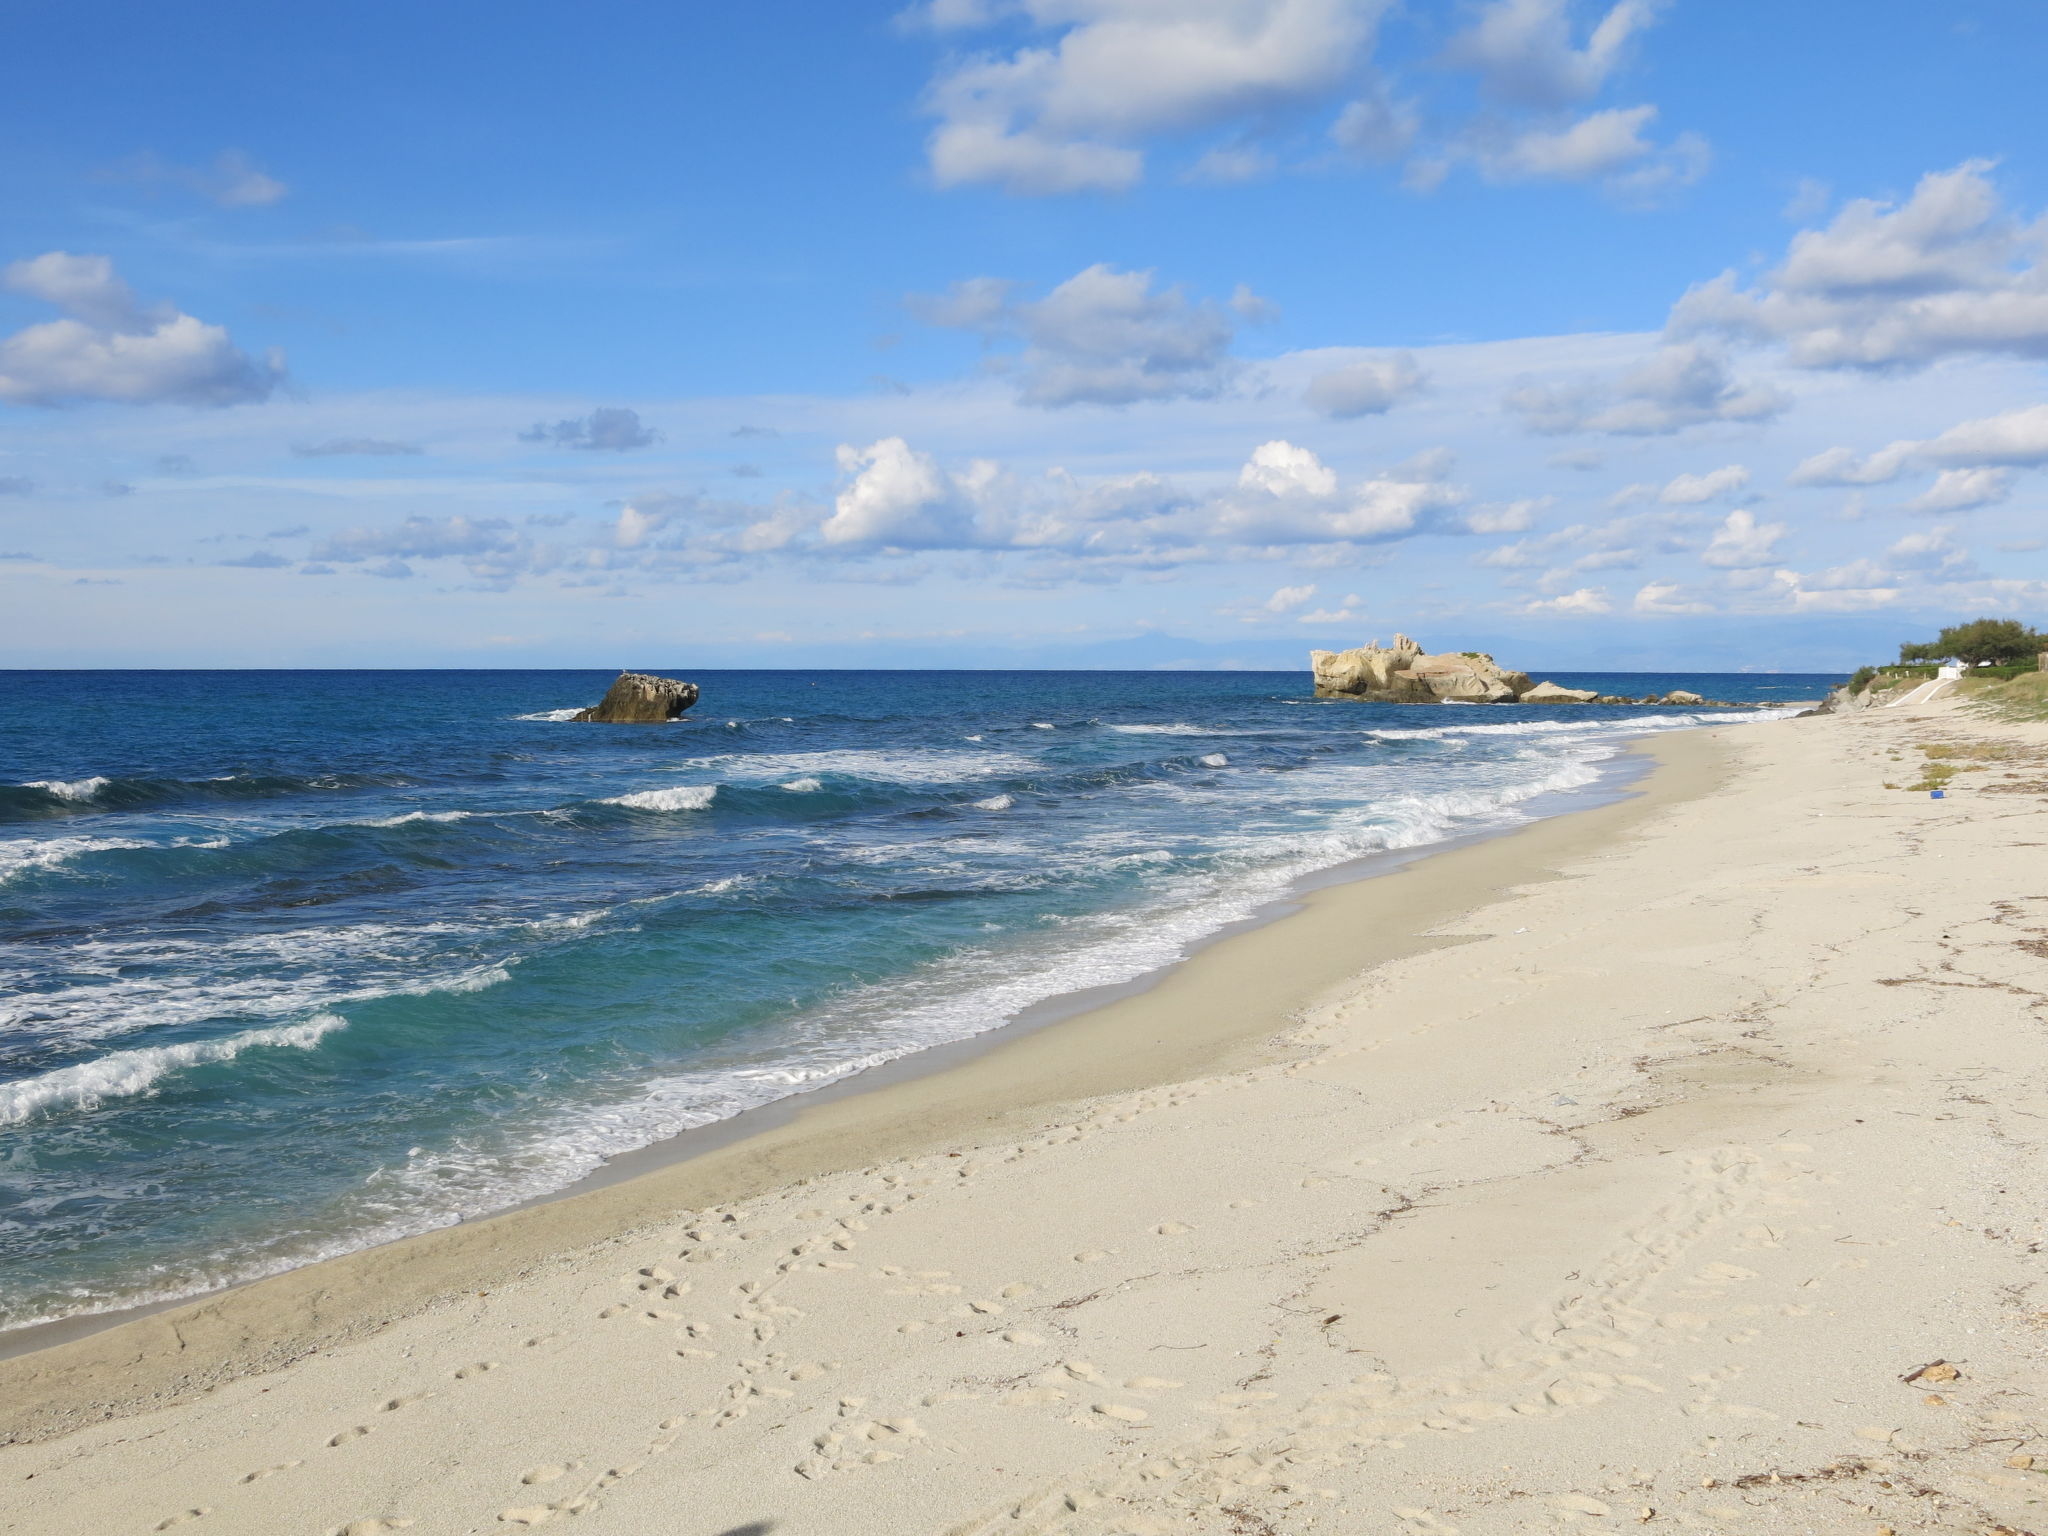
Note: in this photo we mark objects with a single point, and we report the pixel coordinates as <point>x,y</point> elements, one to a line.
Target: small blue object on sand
<point>1934,794</point>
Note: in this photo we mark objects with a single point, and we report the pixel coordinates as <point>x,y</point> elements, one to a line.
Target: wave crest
<point>125,1074</point>
<point>685,797</point>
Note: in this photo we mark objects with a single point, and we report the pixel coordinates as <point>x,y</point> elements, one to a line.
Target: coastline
<point>1216,1009</point>
<point>1673,1166</point>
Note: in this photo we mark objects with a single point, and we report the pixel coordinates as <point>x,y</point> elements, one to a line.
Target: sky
<point>1646,335</point>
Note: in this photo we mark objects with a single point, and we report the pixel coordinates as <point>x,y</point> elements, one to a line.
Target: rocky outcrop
<point>1552,693</point>
<point>1404,673</point>
<point>640,698</point>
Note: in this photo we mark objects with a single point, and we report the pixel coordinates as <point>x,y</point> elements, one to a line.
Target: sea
<point>297,962</point>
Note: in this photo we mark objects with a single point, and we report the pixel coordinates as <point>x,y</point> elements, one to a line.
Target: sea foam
<point>684,797</point>
<point>124,1074</point>
<point>70,789</point>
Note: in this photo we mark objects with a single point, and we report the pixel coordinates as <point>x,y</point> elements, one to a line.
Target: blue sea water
<point>296,962</point>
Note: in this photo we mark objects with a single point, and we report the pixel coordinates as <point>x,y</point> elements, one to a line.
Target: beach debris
<point>1933,1370</point>
<point>640,698</point>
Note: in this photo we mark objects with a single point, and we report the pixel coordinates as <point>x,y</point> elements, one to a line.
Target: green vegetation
<point>2021,697</point>
<point>1999,642</point>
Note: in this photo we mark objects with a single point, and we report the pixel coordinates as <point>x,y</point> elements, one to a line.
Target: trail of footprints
<point>753,1315</point>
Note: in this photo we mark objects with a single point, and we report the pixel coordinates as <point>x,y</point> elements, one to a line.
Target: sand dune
<point>1677,1164</point>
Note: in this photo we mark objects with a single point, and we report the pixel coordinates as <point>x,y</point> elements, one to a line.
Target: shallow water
<point>297,962</point>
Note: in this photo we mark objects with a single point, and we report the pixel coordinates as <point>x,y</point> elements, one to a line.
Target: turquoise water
<point>298,962</point>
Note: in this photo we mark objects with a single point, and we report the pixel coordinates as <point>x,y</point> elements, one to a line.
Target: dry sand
<point>1466,1199</point>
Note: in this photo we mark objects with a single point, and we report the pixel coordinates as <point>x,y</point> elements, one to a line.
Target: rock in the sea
<point>1406,674</point>
<point>1680,696</point>
<point>1552,693</point>
<point>640,698</point>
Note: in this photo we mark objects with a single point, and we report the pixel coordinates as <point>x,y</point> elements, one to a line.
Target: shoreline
<point>1076,1046</point>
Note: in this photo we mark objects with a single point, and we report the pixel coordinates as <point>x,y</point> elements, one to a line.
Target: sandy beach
<point>1676,1163</point>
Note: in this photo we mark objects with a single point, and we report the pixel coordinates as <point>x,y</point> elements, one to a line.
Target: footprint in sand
<point>532,1514</point>
<point>262,1472</point>
<point>373,1527</point>
<point>545,1474</point>
<point>406,1401</point>
<point>353,1432</point>
<point>477,1370</point>
<point>183,1516</point>
<point>1173,1229</point>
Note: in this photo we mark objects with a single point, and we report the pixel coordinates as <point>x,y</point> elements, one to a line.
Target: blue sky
<point>1149,332</point>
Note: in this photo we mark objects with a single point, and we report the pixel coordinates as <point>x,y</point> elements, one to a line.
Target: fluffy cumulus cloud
<point>1974,461</point>
<point>1070,110</point>
<point>1582,602</point>
<point>111,346</point>
<point>2018,437</point>
<point>1668,597</point>
<point>1962,490</point>
<point>1369,387</point>
<point>608,429</point>
<point>1286,495</point>
<point>1524,55</point>
<point>1690,490</point>
<point>1102,337</point>
<point>1678,386</point>
<point>1610,146</point>
<point>1084,89</point>
<point>1556,561</point>
<point>1947,271</point>
<point>1743,543</point>
<point>896,500</point>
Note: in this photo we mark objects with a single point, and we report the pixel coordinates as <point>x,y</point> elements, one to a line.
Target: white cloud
<point>1596,145</point>
<point>1586,600</point>
<point>1103,337</point>
<point>1800,593</point>
<point>1287,599</point>
<point>1691,490</point>
<point>1064,116</point>
<point>1280,469</point>
<point>1523,52</point>
<point>111,347</point>
<point>2013,437</point>
<point>1369,387</point>
<point>899,497</point>
<point>1622,542</point>
<point>1961,490</point>
<point>1841,466</point>
<point>1287,495</point>
<point>1895,285</point>
<point>1674,388</point>
<point>1029,162</point>
<point>1932,553</point>
<point>1742,543</point>
<point>1505,517</point>
<point>1667,597</point>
